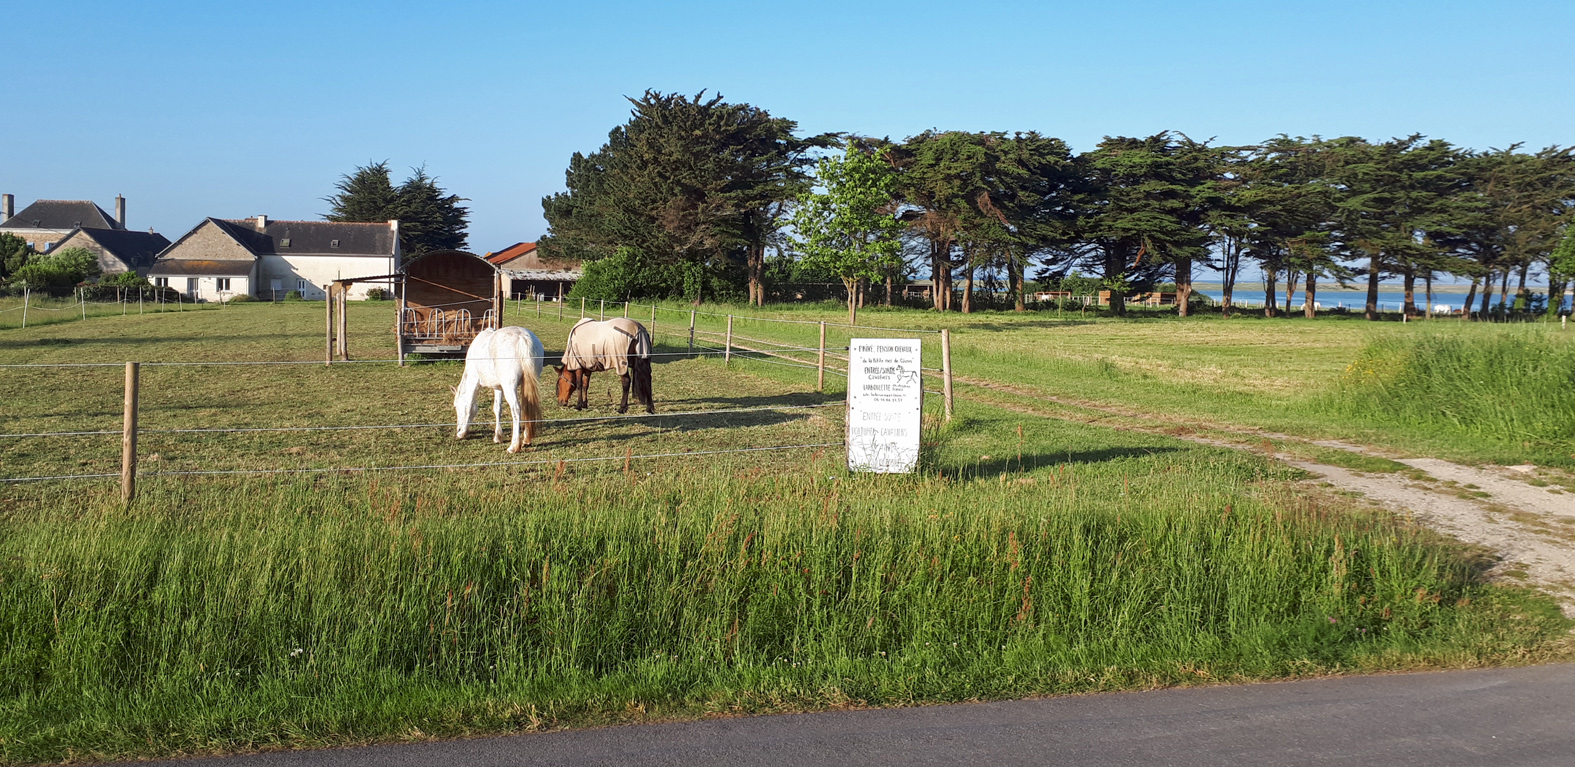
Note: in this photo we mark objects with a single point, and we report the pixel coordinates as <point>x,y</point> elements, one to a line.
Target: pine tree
<point>693,185</point>
<point>429,218</point>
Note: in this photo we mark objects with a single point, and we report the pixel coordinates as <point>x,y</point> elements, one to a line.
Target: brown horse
<point>618,344</point>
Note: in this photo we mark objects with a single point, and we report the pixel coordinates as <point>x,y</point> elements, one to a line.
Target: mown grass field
<point>1029,556</point>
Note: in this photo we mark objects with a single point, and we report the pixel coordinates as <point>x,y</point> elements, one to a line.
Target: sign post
<point>885,401</point>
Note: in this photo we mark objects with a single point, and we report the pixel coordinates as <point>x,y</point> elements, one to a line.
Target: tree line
<point>691,195</point>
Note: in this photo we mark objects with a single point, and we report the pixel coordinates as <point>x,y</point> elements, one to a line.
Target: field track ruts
<point>1530,529</point>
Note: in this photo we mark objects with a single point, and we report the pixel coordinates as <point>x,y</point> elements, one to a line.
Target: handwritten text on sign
<point>885,398</point>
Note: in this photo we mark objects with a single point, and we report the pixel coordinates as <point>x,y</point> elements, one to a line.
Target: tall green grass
<point>345,610</point>
<point>1512,389</point>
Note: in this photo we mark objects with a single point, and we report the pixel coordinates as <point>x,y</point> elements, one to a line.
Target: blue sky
<point>231,109</point>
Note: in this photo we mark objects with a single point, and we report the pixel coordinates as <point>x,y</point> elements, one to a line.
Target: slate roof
<point>313,237</point>
<point>136,249</point>
<point>195,267</point>
<point>61,214</point>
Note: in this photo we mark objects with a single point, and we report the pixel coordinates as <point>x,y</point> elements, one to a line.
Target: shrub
<point>125,280</point>
<point>294,295</point>
<point>377,294</point>
<point>60,271</point>
<point>14,253</point>
<point>240,298</point>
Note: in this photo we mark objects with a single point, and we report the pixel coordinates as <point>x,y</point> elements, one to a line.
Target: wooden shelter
<point>446,297</point>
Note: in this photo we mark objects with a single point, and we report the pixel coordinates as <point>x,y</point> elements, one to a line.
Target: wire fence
<point>416,467</point>
<point>701,342</point>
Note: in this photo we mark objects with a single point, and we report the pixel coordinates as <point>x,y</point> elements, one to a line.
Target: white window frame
<point>221,284</point>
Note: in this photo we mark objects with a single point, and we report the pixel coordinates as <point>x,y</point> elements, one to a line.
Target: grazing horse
<point>619,344</point>
<point>508,361</point>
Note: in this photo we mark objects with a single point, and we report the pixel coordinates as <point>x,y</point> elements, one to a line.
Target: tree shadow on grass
<point>1013,464</point>
<point>1004,326</point>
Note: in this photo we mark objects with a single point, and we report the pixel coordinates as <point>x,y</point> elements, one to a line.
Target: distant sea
<point>1388,301</point>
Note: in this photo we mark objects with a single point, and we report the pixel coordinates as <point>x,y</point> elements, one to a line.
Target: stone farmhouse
<point>223,258</point>
<point>49,225</point>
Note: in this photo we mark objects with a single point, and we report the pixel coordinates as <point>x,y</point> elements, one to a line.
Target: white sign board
<point>885,398</point>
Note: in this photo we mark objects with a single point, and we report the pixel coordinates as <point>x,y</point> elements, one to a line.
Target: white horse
<point>508,361</point>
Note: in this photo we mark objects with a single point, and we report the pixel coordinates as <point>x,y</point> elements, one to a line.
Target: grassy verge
<point>1030,557</point>
<point>1512,391</point>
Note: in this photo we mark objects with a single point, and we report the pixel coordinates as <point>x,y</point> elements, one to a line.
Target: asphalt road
<point>1500,717</point>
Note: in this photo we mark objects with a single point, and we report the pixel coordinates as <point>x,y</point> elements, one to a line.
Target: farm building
<point>529,275</point>
<point>446,297</point>
<point>220,258</point>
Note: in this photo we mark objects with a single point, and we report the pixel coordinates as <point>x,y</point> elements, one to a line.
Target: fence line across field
<point>130,429</point>
<point>446,425</point>
<point>625,457</point>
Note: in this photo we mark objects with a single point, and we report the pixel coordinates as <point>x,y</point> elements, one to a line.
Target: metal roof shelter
<point>446,297</point>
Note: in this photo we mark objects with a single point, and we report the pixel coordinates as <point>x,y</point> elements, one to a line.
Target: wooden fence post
<point>128,437</point>
<point>328,304</point>
<point>946,370</point>
<point>538,304</point>
<point>626,310</point>
<point>82,301</point>
<point>27,298</point>
<point>344,323</point>
<point>727,353</point>
<point>139,300</point>
<point>399,320</point>
<point>691,333</point>
<point>653,321</point>
<point>603,310</point>
<point>582,307</point>
<point>820,372</point>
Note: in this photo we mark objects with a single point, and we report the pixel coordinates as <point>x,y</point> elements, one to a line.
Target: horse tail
<point>530,353</point>
<point>640,369</point>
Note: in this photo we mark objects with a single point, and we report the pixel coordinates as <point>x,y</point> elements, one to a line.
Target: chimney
<point>120,211</point>
<point>262,223</point>
<point>7,207</point>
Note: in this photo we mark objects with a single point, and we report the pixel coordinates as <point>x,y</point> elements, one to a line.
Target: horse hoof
<point>514,448</point>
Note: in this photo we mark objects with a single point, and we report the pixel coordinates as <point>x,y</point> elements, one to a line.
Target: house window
<point>191,285</point>
<point>284,242</point>
<point>276,285</point>
<point>302,285</point>
<point>222,283</point>
<point>162,282</point>
<point>333,243</point>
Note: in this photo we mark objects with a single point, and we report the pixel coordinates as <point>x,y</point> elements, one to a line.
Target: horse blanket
<point>595,346</point>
